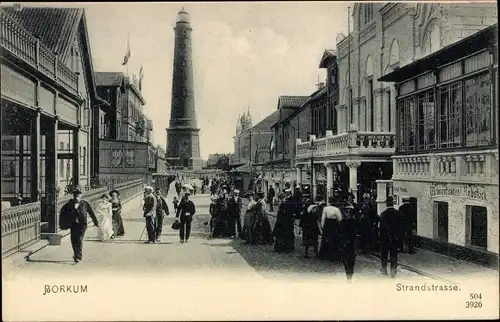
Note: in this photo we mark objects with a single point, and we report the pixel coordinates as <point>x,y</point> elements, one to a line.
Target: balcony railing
<point>21,43</point>
<point>470,166</point>
<point>352,142</point>
<point>20,227</point>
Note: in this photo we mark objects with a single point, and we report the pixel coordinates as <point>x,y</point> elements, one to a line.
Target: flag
<point>141,76</point>
<point>128,53</point>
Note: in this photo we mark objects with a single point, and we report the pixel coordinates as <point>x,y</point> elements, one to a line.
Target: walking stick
<point>140,238</point>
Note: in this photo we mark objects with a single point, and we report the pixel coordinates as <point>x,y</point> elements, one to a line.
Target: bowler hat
<point>114,191</point>
<point>389,200</point>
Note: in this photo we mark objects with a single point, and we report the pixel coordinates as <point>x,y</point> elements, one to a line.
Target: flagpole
<point>128,48</point>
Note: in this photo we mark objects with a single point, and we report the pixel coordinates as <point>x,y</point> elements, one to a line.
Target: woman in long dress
<point>260,228</point>
<point>330,231</point>
<point>117,213</point>
<point>104,214</point>
<point>284,227</point>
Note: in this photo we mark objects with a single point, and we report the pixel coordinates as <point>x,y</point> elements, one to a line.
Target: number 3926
<point>474,301</point>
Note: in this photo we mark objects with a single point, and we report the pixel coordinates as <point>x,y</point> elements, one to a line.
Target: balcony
<point>351,143</point>
<point>22,44</point>
<point>460,166</point>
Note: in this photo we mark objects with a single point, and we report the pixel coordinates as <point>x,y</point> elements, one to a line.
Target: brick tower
<point>183,144</point>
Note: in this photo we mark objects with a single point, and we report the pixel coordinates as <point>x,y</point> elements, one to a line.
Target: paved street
<point>122,272</point>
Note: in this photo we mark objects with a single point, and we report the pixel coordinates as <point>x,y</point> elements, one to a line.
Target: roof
<point>109,78</point>
<point>328,55</point>
<point>245,168</point>
<point>266,123</point>
<point>292,101</point>
<point>55,27</point>
<point>462,48</point>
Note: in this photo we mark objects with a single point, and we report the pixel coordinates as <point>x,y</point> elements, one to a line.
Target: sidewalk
<point>431,264</point>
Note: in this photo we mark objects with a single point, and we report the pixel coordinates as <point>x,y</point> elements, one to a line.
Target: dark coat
<point>186,207</point>
<point>149,204</point>
<point>234,207</point>
<point>391,224</point>
<point>161,206</point>
<point>78,217</point>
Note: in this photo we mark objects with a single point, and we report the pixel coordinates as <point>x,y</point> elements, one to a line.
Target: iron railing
<point>20,227</point>
<point>21,43</point>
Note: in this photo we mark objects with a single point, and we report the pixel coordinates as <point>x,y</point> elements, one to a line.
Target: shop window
<point>450,116</point>
<point>477,226</point>
<point>441,221</point>
<point>426,116</point>
<point>478,111</point>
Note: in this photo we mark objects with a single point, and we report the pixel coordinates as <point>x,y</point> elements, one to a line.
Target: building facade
<point>279,170</point>
<point>447,145</point>
<point>120,121</point>
<point>252,143</point>
<point>47,96</point>
<point>384,37</point>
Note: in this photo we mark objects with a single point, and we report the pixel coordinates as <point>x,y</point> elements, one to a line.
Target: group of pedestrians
<point>336,230</point>
<point>155,208</point>
<point>107,217</point>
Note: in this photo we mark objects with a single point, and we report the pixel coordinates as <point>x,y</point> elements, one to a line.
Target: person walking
<point>310,225</point>
<point>330,230</point>
<point>391,228</point>
<point>409,211</point>
<point>348,231</point>
<point>270,198</point>
<point>104,214</point>
<point>234,205</point>
<point>74,216</point>
<point>118,228</point>
<point>161,211</point>
<point>283,232</point>
<point>185,214</point>
<point>149,208</point>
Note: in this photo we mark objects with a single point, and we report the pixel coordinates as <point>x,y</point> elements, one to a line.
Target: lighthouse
<point>183,143</point>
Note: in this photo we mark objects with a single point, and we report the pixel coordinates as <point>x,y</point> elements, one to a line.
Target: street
<point>123,275</point>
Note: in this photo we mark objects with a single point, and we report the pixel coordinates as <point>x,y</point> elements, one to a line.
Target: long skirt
<point>284,235</point>
<point>118,223</point>
<point>220,226</point>
<point>261,232</point>
<point>330,248</point>
<point>310,231</point>
<point>105,228</point>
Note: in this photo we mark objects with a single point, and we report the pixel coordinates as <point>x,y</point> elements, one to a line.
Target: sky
<point>245,55</point>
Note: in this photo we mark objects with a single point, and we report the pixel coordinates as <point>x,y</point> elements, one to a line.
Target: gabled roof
<point>328,56</point>
<point>56,27</point>
<point>291,101</point>
<point>266,123</point>
<point>109,79</point>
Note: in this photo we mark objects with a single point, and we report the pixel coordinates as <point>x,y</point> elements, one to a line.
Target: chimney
<point>18,6</point>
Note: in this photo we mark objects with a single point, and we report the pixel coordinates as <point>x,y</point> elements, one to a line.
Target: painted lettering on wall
<point>467,191</point>
<point>400,189</point>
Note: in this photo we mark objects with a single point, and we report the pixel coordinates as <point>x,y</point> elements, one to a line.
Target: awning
<point>243,169</point>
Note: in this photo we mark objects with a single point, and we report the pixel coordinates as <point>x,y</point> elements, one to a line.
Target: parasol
<point>187,186</point>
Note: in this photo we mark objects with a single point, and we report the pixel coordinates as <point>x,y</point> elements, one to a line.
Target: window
<point>441,221</point>
<point>450,116</point>
<point>406,120</point>
<point>426,127</point>
<point>368,10</point>
<point>370,112</point>
<point>478,111</point>
<point>477,225</point>
<point>83,159</point>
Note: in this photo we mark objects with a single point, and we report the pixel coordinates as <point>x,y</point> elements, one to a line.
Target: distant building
<point>252,143</point>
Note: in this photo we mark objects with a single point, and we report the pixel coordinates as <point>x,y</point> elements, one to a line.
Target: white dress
<point>104,213</point>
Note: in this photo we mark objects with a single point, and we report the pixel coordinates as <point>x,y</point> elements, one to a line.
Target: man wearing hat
<point>161,210</point>
<point>185,214</point>
<point>149,208</point>
<point>75,213</point>
<point>391,226</point>
<point>234,211</point>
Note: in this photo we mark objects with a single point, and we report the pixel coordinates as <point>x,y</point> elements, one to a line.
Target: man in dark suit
<point>186,211</point>
<point>391,228</point>
<point>149,208</point>
<point>161,210</point>
<point>234,211</point>
<point>76,212</point>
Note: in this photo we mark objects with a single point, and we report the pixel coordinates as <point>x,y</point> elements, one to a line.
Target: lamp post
<point>312,148</point>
